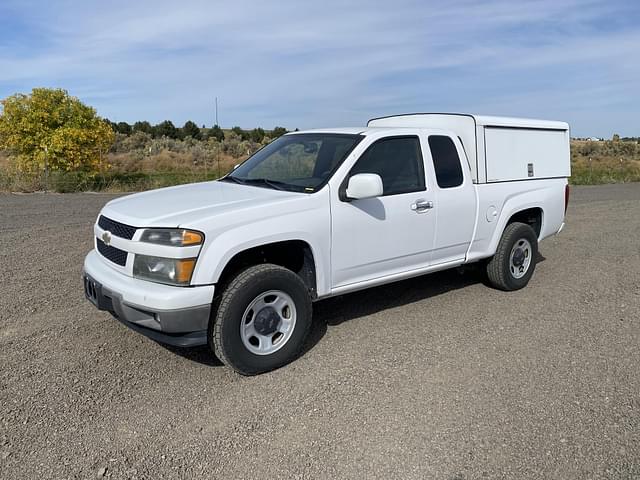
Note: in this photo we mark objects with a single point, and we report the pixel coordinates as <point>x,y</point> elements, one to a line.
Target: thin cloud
<point>302,64</point>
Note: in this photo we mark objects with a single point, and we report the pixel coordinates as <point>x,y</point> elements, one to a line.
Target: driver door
<point>378,237</point>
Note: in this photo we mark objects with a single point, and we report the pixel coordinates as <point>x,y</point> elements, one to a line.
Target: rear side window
<point>445,161</point>
<point>398,161</point>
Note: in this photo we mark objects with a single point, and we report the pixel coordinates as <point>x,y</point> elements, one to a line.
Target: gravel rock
<point>436,377</point>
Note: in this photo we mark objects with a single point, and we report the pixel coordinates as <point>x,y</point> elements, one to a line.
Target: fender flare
<point>221,251</point>
<point>513,205</point>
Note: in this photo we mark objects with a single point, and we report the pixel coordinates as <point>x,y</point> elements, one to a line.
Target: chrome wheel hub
<point>520,258</point>
<point>268,322</point>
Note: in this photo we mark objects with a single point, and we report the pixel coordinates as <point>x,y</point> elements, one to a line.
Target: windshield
<point>301,162</point>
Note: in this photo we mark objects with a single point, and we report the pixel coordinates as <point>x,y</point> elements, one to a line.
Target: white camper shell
<point>499,149</point>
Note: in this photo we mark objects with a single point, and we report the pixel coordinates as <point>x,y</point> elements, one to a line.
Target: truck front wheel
<point>513,265</point>
<point>262,320</point>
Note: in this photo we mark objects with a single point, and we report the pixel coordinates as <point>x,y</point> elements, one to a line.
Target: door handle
<point>422,205</point>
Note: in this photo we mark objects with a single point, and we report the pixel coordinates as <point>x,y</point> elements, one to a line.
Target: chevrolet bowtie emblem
<point>106,237</point>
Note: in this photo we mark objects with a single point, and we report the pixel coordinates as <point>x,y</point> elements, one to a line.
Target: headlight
<point>172,237</point>
<point>171,271</point>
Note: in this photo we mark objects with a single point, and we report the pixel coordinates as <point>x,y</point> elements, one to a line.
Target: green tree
<point>257,134</point>
<point>216,132</point>
<point>241,133</point>
<point>113,125</point>
<point>190,129</point>
<point>124,128</point>
<point>48,128</point>
<point>165,129</point>
<point>616,137</point>
<point>144,127</point>
<point>278,132</point>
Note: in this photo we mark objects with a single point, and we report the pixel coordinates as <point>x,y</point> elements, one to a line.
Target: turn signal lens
<point>189,237</point>
<point>184,270</point>
<point>172,237</point>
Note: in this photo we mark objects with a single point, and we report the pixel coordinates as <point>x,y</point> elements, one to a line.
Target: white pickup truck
<point>236,263</point>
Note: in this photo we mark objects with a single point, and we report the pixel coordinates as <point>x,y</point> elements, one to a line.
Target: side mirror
<point>364,185</point>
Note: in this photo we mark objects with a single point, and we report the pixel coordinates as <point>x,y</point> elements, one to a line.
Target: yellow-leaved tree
<point>51,129</point>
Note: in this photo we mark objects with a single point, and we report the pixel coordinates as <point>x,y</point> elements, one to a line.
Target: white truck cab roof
<point>367,131</point>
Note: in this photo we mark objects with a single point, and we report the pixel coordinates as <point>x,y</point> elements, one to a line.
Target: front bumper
<point>173,315</point>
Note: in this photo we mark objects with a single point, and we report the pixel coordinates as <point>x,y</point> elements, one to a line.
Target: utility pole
<point>217,152</point>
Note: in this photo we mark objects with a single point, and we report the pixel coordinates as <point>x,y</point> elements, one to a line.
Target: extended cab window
<point>398,161</point>
<point>445,161</point>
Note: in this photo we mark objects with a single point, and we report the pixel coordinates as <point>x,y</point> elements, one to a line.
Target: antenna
<point>217,111</point>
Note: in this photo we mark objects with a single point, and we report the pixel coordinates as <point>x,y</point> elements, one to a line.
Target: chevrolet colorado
<point>236,263</point>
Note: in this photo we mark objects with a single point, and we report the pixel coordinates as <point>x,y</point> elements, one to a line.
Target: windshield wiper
<point>275,184</point>
<point>271,183</point>
<point>233,179</point>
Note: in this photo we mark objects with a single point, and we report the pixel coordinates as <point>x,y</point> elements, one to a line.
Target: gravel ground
<point>436,377</point>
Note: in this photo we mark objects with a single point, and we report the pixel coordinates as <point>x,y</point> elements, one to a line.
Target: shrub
<point>49,129</point>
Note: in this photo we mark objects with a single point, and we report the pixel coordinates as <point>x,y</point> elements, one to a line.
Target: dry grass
<point>152,164</point>
<point>604,162</point>
<point>168,161</point>
<point>122,172</point>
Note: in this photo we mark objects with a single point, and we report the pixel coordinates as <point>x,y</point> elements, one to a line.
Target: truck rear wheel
<point>513,265</point>
<point>263,318</point>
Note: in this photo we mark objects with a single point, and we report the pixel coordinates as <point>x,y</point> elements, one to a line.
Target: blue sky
<point>331,63</point>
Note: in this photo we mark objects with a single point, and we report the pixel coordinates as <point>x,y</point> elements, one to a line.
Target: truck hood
<point>178,206</point>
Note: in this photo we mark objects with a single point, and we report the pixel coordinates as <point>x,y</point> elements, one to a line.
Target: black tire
<point>499,267</point>
<point>224,330</point>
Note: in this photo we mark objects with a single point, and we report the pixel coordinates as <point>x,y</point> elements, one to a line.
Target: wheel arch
<point>515,209</point>
<point>294,254</point>
<point>533,217</point>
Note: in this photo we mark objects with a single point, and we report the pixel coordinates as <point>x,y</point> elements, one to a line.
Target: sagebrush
<point>140,162</point>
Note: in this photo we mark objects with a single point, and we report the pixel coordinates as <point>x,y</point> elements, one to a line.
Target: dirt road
<point>437,377</point>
